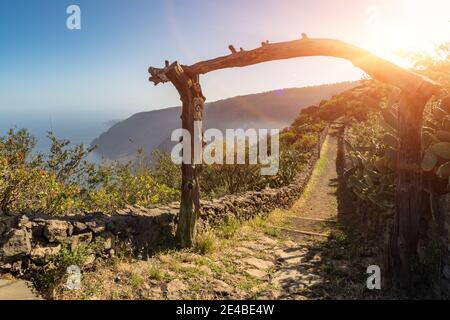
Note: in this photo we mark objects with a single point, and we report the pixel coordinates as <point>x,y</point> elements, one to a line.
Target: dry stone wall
<point>27,242</point>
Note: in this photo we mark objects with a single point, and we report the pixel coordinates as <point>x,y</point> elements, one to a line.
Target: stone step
<point>304,232</point>
<point>313,219</point>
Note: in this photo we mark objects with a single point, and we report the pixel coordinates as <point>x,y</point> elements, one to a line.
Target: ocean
<point>76,128</point>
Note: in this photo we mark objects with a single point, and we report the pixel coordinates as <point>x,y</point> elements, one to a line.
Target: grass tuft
<point>206,242</point>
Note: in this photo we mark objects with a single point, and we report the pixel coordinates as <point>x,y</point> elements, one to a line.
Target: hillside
<point>152,129</point>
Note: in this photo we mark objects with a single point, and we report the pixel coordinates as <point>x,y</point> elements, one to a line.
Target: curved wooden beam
<point>376,67</point>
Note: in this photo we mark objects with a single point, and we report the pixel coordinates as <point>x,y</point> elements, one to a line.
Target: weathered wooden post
<point>409,189</point>
<point>192,110</point>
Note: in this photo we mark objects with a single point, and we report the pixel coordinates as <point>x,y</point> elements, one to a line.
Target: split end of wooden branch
<point>232,49</point>
<point>157,75</point>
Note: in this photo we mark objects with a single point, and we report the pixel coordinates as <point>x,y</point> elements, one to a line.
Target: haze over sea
<point>76,127</point>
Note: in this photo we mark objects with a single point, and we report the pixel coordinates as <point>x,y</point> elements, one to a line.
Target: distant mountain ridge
<point>152,129</point>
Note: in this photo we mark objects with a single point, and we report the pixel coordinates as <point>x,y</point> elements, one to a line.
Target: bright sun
<point>416,26</point>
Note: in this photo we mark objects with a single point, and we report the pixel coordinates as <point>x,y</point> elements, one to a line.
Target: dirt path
<point>13,289</point>
<point>300,253</point>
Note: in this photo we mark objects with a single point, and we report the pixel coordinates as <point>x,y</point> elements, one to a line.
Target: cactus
<point>428,138</point>
<point>429,160</point>
<point>446,124</point>
<point>431,124</point>
<point>443,171</point>
<point>443,135</point>
<point>372,176</point>
<point>436,140</point>
<point>442,150</point>
<point>439,113</point>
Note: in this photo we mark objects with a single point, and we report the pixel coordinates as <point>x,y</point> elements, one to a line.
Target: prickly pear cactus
<point>435,138</point>
<point>372,147</point>
<point>368,171</point>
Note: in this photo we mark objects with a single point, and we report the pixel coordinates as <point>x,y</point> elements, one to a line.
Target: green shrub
<point>63,182</point>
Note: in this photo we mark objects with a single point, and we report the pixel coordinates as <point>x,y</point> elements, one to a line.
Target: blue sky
<point>101,69</point>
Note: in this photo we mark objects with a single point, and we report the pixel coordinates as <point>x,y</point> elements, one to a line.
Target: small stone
<point>285,277</point>
<point>17,267</point>
<point>90,259</point>
<point>155,292</point>
<point>16,246</point>
<point>256,273</point>
<point>42,254</point>
<point>316,258</point>
<point>24,222</point>
<point>244,250</point>
<point>290,243</point>
<point>108,243</point>
<point>259,263</point>
<point>176,286</point>
<point>107,240</point>
<point>56,230</point>
<point>254,245</point>
<point>290,253</point>
<point>79,226</point>
<point>222,287</point>
<point>80,239</point>
<point>268,241</point>
<point>5,266</point>
<point>95,226</point>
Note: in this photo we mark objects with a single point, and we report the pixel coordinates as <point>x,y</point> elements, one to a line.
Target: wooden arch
<point>416,91</point>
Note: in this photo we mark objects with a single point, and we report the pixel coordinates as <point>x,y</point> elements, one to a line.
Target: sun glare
<point>418,28</point>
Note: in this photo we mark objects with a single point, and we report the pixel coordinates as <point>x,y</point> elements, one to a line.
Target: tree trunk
<point>192,110</point>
